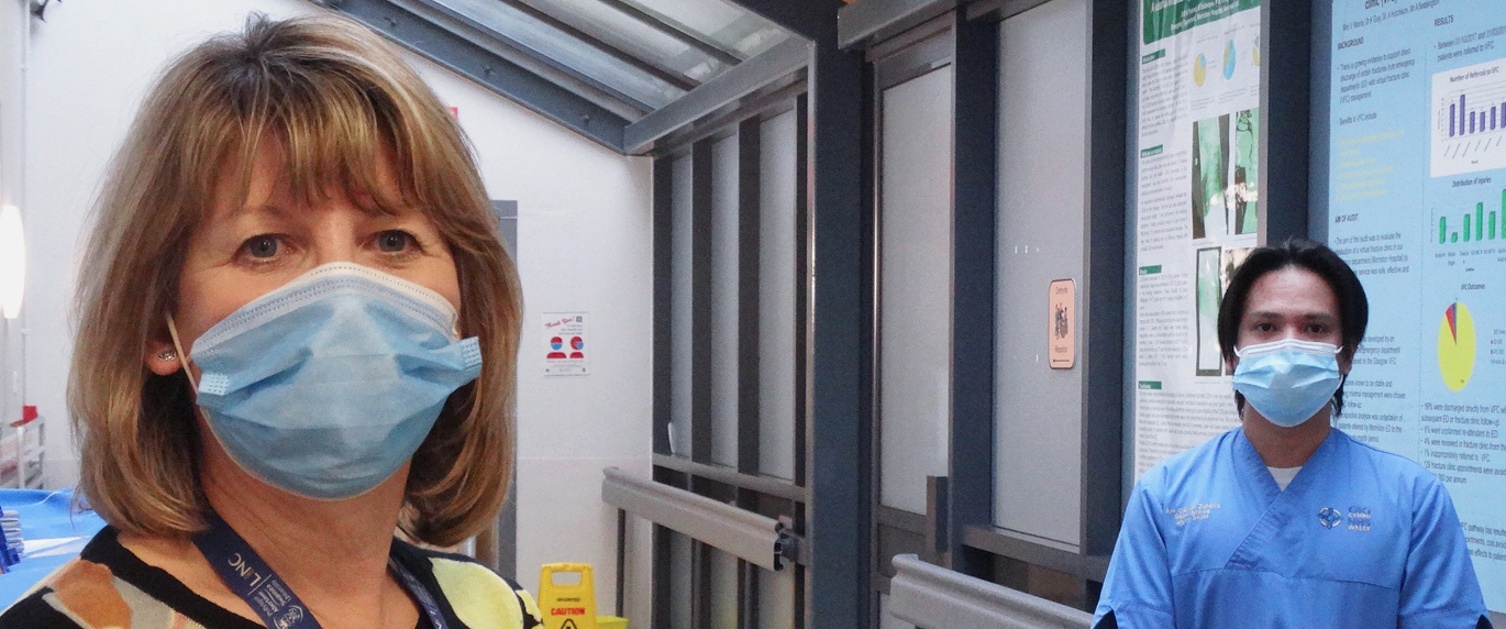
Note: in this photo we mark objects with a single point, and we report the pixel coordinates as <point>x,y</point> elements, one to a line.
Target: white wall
<point>12,38</point>
<point>584,233</point>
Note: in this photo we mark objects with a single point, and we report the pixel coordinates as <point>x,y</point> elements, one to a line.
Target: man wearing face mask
<point>1286,521</point>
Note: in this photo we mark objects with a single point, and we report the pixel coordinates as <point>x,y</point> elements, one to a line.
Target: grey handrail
<point>934,597</point>
<point>762,541</point>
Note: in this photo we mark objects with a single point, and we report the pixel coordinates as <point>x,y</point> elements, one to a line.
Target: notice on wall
<point>1417,205</point>
<point>565,349</point>
<point>1061,338</point>
<point>1197,212</point>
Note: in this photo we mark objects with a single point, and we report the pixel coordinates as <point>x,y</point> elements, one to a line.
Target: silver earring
<point>168,355</point>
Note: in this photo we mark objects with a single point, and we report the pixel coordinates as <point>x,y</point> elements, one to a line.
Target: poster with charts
<point>1417,205</point>
<point>1197,212</point>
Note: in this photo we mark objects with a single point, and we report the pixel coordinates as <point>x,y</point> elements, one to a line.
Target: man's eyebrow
<point>1311,316</point>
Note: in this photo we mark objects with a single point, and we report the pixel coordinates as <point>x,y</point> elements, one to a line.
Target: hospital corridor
<point>752,314</point>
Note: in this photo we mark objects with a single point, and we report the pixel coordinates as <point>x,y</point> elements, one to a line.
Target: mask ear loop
<point>172,330</point>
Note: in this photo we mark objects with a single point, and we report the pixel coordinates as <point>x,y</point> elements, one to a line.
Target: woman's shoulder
<point>107,585</point>
<point>85,591</point>
<point>478,596</point>
<point>34,610</point>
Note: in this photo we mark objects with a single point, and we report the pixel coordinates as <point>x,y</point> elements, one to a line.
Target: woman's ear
<point>161,358</point>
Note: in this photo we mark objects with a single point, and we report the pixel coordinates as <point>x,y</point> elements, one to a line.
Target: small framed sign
<point>1061,319</point>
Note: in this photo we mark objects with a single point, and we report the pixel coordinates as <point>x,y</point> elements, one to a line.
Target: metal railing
<point>935,597</point>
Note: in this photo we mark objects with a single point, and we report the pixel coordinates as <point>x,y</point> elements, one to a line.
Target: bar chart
<point>1469,119</point>
<point>1478,225</point>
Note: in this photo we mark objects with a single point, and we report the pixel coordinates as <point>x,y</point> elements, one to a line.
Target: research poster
<point>1197,212</point>
<point>1417,205</point>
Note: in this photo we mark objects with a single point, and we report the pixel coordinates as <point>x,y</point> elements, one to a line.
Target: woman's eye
<point>394,241</point>
<point>264,246</point>
<point>1264,327</point>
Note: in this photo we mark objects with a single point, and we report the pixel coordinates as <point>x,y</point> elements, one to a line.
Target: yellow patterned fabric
<point>480,598</point>
<point>108,587</point>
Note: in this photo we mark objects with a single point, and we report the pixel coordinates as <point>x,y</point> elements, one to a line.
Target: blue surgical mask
<point>1288,381</point>
<point>327,385</point>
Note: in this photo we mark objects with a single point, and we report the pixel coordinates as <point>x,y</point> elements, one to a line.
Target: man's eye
<point>394,241</point>
<point>261,246</point>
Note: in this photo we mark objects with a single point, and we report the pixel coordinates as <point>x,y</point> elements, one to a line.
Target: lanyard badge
<point>246,574</point>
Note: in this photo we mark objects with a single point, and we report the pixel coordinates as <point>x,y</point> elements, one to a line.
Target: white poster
<point>565,348</point>
<point>1197,212</point>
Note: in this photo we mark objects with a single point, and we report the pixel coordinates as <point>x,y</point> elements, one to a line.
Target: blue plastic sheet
<point>54,533</point>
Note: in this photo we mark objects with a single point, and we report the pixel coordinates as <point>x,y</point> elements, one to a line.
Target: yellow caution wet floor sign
<point>567,605</point>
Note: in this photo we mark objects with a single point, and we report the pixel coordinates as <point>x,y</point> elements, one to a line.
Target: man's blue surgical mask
<point>329,384</point>
<point>1288,381</point>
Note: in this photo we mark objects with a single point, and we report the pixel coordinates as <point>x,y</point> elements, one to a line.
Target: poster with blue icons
<point>1417,205</point>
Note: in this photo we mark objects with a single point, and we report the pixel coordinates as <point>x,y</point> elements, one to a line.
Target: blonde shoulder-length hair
<point>338,101</point>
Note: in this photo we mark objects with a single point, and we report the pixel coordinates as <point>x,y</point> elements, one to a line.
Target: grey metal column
<point>841,372</point>
<point>975,135</point>
<point>838,428</point>
<point>1285,88</point>
<point>1103,362</point>
<point>700,299</point>
<point>663,294</point>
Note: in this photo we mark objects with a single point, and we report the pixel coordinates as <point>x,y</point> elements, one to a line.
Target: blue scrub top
<point>1360,538</point>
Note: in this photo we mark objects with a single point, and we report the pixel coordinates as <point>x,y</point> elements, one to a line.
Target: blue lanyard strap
<point>420,593</point>
<point>244,572</point>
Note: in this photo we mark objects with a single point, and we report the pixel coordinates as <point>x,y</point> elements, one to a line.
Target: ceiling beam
<point>768,70</point>
<point>811,19</point>
<point>862,23</point>
<point>505,77</point>
<point>647,66</point>
<point>678,31</point>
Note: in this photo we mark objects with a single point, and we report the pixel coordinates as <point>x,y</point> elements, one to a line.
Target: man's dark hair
<point>1354,309</point>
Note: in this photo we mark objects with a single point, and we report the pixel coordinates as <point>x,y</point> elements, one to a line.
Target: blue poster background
<point>1417,205</point>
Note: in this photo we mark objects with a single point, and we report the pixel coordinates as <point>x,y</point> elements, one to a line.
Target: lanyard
<point>244,572</point>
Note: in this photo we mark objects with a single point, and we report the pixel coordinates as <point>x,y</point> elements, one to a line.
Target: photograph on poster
<point>1210,175</point>
<point>1244,197</point>
<point>1209,291</point>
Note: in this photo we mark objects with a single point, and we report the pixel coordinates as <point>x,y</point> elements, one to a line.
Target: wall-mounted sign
<point>565,348</point>
<point>1061,318</point>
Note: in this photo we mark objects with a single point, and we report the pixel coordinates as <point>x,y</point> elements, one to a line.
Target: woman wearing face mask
<point>1286,521</point>
<point>297,337</point>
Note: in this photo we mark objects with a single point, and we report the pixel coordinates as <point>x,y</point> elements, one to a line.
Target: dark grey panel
<point>1322,57</point>
<point>700,299</point>
<point>975,61</point>
<point>749,218</point>
<point>663,296</point>
<point>815,20</point>
<point>1103,406</point>
<point>1285,89</point>
<point>506,560</point>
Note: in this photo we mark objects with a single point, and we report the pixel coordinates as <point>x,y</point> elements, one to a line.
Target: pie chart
<point>1200,70</point>
<point>1456,346</point>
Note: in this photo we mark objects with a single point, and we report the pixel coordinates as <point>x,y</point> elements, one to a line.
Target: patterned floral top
<point>108,586</point>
